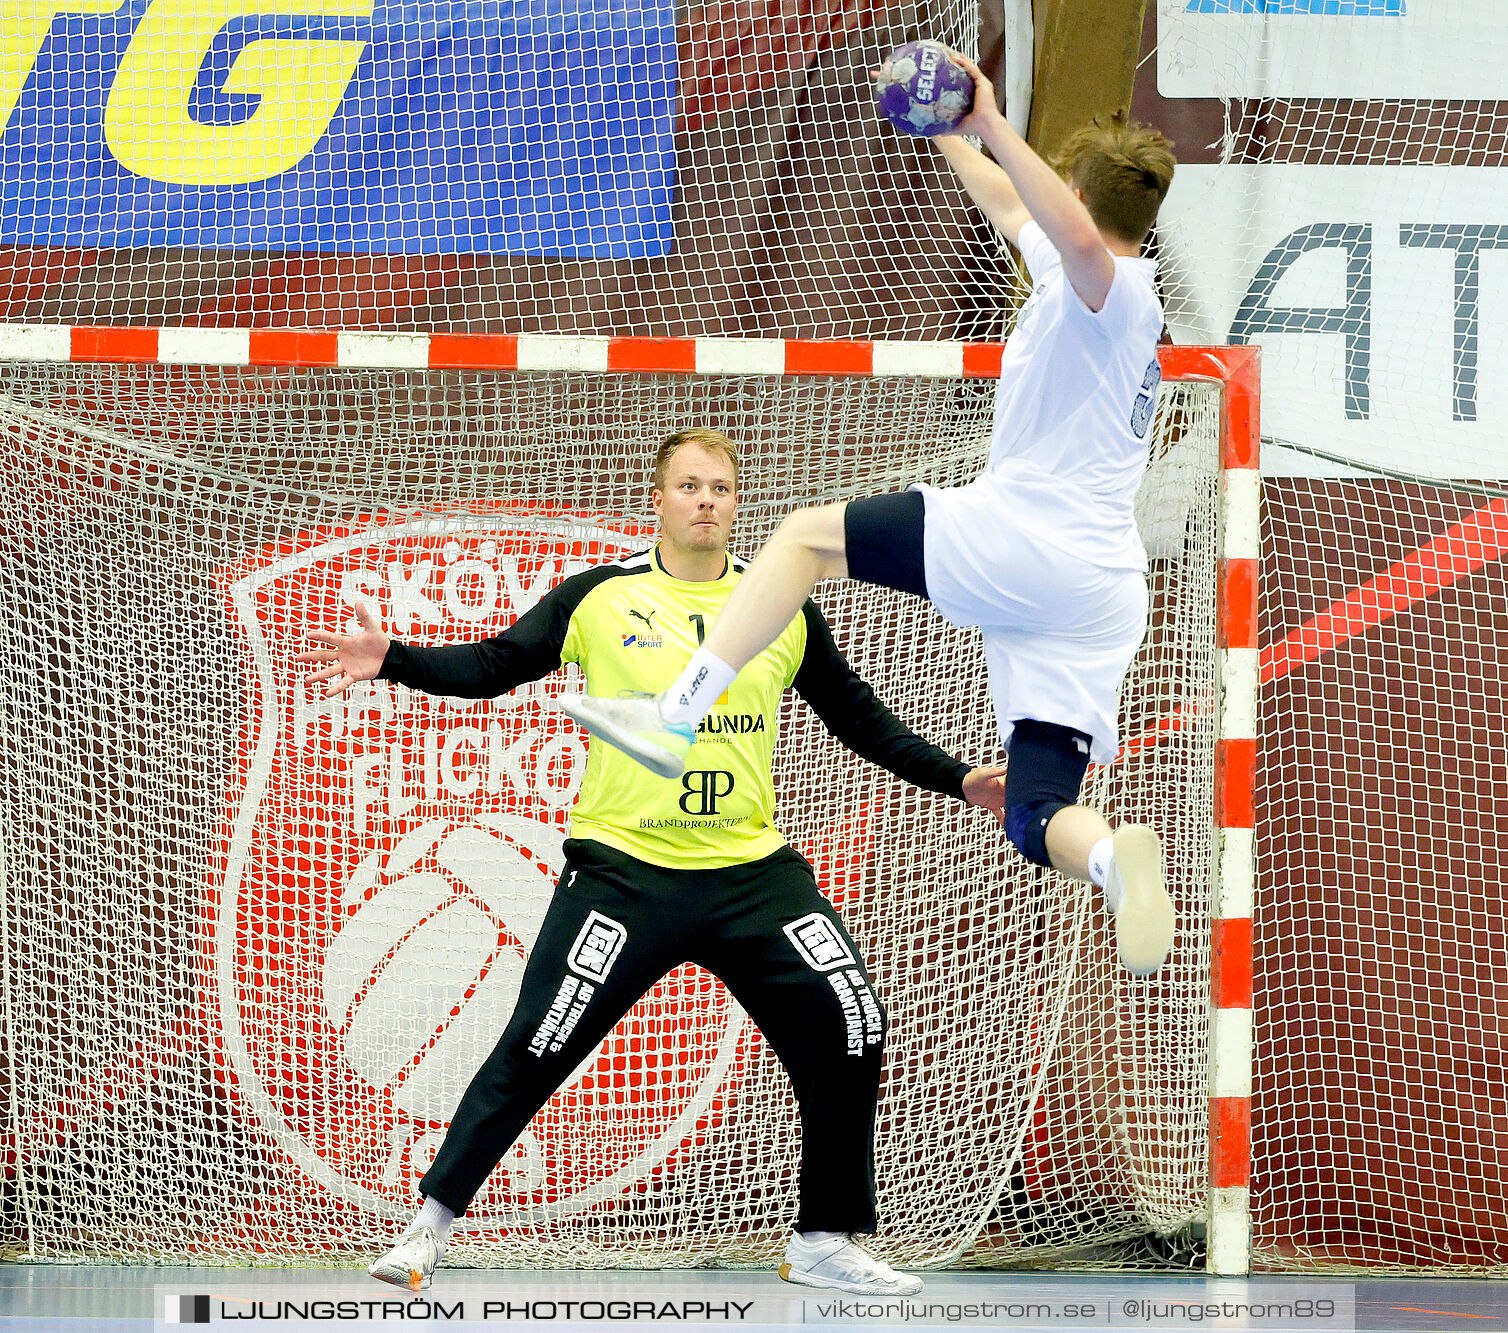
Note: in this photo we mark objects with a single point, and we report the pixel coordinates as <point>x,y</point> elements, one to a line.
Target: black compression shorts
<point>883,536</point>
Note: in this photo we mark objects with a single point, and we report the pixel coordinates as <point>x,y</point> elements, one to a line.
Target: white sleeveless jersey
<point>1073,411</point>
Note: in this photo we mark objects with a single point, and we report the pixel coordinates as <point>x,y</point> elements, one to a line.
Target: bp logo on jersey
<point>704,788</point>
<point>389,857</point>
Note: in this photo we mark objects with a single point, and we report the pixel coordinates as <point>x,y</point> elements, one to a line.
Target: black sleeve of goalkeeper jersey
<point>849,709</point>
<point>526,650</point>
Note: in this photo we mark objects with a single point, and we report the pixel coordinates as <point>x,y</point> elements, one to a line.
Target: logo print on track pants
<point>597,947</point>
<point>819,943</point>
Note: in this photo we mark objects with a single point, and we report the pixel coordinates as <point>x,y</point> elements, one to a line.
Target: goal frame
<point>1236,369</point>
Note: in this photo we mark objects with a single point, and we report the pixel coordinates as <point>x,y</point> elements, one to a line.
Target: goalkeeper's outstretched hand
<point>985,787</point>
<point>347,658</point>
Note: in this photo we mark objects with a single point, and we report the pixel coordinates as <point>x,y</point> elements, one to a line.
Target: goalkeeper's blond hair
<point>712,440</point>
<point>1124,169</point>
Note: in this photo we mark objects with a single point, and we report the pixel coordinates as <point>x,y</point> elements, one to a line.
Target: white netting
<point>1382,976</point>
<point>1352,226</point>
<point>211,1063</point>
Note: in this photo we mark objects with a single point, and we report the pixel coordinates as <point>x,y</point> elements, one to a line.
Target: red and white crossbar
<point>496,351</point>
<point>1235,368</point>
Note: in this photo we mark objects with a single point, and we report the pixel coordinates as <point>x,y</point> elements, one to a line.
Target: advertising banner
<point>1376,294</point>
<point>1331,48</point>
<point>340,125</point>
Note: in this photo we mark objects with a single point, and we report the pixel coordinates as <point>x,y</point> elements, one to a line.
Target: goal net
<point>255,942</point>
<point>1348,218</point>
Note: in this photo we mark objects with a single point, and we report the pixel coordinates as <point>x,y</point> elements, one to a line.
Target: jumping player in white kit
<point>1041,551</point>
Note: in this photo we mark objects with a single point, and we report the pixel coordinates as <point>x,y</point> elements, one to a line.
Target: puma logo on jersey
<point>645,638</point>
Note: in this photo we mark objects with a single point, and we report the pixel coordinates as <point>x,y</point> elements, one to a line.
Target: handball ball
<point>922,90</point>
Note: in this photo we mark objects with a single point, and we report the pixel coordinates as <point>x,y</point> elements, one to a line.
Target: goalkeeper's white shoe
<point>841,1265</point>
<point>1144,912</point>
<point>411,1262</point>
<point>633,724</point>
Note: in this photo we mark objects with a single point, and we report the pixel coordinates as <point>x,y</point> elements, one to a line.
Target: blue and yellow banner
<point>542,128</point>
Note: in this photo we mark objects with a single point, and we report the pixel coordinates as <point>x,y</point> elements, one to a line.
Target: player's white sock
<point>1100,856</point>
<point>434,1214</point>
<point>696,689</point>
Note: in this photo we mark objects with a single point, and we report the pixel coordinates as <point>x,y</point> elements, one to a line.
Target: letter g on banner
<point>297,84</point>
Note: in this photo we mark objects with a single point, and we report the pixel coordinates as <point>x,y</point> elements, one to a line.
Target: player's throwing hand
<point>347,658</point>
<point>984,108</point>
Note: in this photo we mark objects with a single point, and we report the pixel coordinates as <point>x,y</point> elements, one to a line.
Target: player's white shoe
<point>633,724</point>
<point>1144,915</point>
<point>411,1262</point>
<point>840,1264</point>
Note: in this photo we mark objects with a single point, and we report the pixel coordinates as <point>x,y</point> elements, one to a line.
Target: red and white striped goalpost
<point>1231,1049</point>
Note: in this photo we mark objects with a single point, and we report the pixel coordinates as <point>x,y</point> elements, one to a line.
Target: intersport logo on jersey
<point>388,859</point>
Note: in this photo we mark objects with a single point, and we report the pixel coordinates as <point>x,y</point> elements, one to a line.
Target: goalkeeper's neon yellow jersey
<point>637,632</point>
<point>630,625</point>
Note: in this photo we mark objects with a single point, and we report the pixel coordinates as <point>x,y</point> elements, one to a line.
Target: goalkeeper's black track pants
<point>614,927</point>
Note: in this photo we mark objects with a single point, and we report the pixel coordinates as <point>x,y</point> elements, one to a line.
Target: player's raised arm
<point>987,185</point>
<point>1040,194</point>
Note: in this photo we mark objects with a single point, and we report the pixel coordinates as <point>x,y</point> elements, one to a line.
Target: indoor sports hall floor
<point>36,1297</point>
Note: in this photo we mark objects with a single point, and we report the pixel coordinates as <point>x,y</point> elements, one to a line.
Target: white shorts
<point>1059,631</point>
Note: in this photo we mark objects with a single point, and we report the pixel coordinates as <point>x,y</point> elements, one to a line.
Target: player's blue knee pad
<point>1026,826</point>
<point>1044,771</point>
